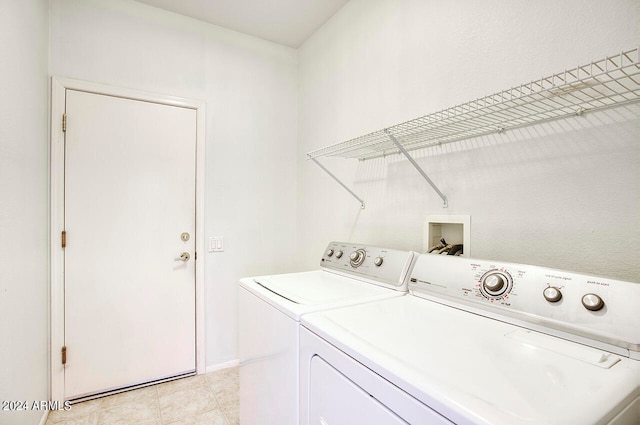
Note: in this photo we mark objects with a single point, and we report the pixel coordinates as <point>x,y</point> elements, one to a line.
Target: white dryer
<point>477,342</point>
<point>270,310</point>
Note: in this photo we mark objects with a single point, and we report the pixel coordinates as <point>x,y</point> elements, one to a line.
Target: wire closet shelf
<point>609,82</point>
<point>612,81</point>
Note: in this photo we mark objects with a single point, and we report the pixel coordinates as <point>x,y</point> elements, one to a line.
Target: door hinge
<point>64,355</point>
<point>64,238</point>
<point>64,122</point>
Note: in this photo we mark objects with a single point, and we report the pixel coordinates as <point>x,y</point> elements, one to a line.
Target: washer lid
<point>316,288</point>
<point>476,370</point>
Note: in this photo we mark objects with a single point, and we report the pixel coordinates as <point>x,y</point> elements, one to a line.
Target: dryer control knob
<point>378,261</point>
<point>339,254</point>
<point>592,302</point>
<point>330,253</point>
<point>357,257</point>
<point>552,294</point>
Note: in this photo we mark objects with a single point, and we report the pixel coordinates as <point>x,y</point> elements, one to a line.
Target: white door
<point>129,206</point>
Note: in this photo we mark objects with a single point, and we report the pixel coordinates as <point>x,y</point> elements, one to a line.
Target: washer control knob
<point>494,283</point>
<point>356,256</point>
<point>552,294</point>
<point>378,261</point>
<point>592,302</point>
<point>339,254</point>
<point>330,253</point>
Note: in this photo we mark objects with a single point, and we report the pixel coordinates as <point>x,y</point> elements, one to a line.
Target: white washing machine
<point>270,310</point>
<point>477,342</point>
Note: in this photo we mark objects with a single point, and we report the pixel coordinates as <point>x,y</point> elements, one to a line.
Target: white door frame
<point>56,293</point>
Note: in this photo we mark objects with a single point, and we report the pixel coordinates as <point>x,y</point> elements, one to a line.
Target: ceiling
<point>288,22</point>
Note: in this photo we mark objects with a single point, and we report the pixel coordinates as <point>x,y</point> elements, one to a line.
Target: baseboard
<point>225,365</point>
<point>43,419</point>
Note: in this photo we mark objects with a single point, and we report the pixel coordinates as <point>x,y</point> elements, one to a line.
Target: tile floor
<point>210,399</point>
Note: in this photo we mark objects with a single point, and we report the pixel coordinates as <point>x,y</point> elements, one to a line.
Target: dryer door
<point>336,400</point>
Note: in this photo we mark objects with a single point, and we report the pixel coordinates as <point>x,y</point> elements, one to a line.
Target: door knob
<point>184,257</point>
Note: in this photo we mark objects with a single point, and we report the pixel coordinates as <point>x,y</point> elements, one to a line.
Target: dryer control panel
<point>579,307</point>
<point>381,266</point>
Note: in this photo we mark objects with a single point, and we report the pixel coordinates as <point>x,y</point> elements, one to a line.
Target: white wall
<point>23,206</point>
<point>249,86</point>
<point>563,194</point>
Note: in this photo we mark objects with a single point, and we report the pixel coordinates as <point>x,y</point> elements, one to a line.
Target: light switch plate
<point>216,244</point>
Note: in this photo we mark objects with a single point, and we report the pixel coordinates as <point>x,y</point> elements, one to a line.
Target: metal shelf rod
<point>445,204</point>
<point>339,181</point>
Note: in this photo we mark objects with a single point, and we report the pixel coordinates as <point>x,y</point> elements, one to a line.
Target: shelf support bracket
<point>445,203</point>
<point>339,182</point>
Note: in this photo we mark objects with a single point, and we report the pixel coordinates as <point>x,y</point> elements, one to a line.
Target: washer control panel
<point>383,266</point>
<point>592,307</point>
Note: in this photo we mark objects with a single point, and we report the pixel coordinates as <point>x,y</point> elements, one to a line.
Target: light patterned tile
<point>145,395</point>
<point>232,412</point>
<point>58,418</point>
<point>212,417</point>
<point>223,374</point>
<point>78,411</point>
<point>141,411</point>
<point>210,399</point>
<point>226,395</point>
<point>185,403</point>
<point>180,384</point>
<point>224,387</point>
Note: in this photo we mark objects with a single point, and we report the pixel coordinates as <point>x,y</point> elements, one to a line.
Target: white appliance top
<point>473,369</point>
<point>318,287</point>
<point>349,274</point>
